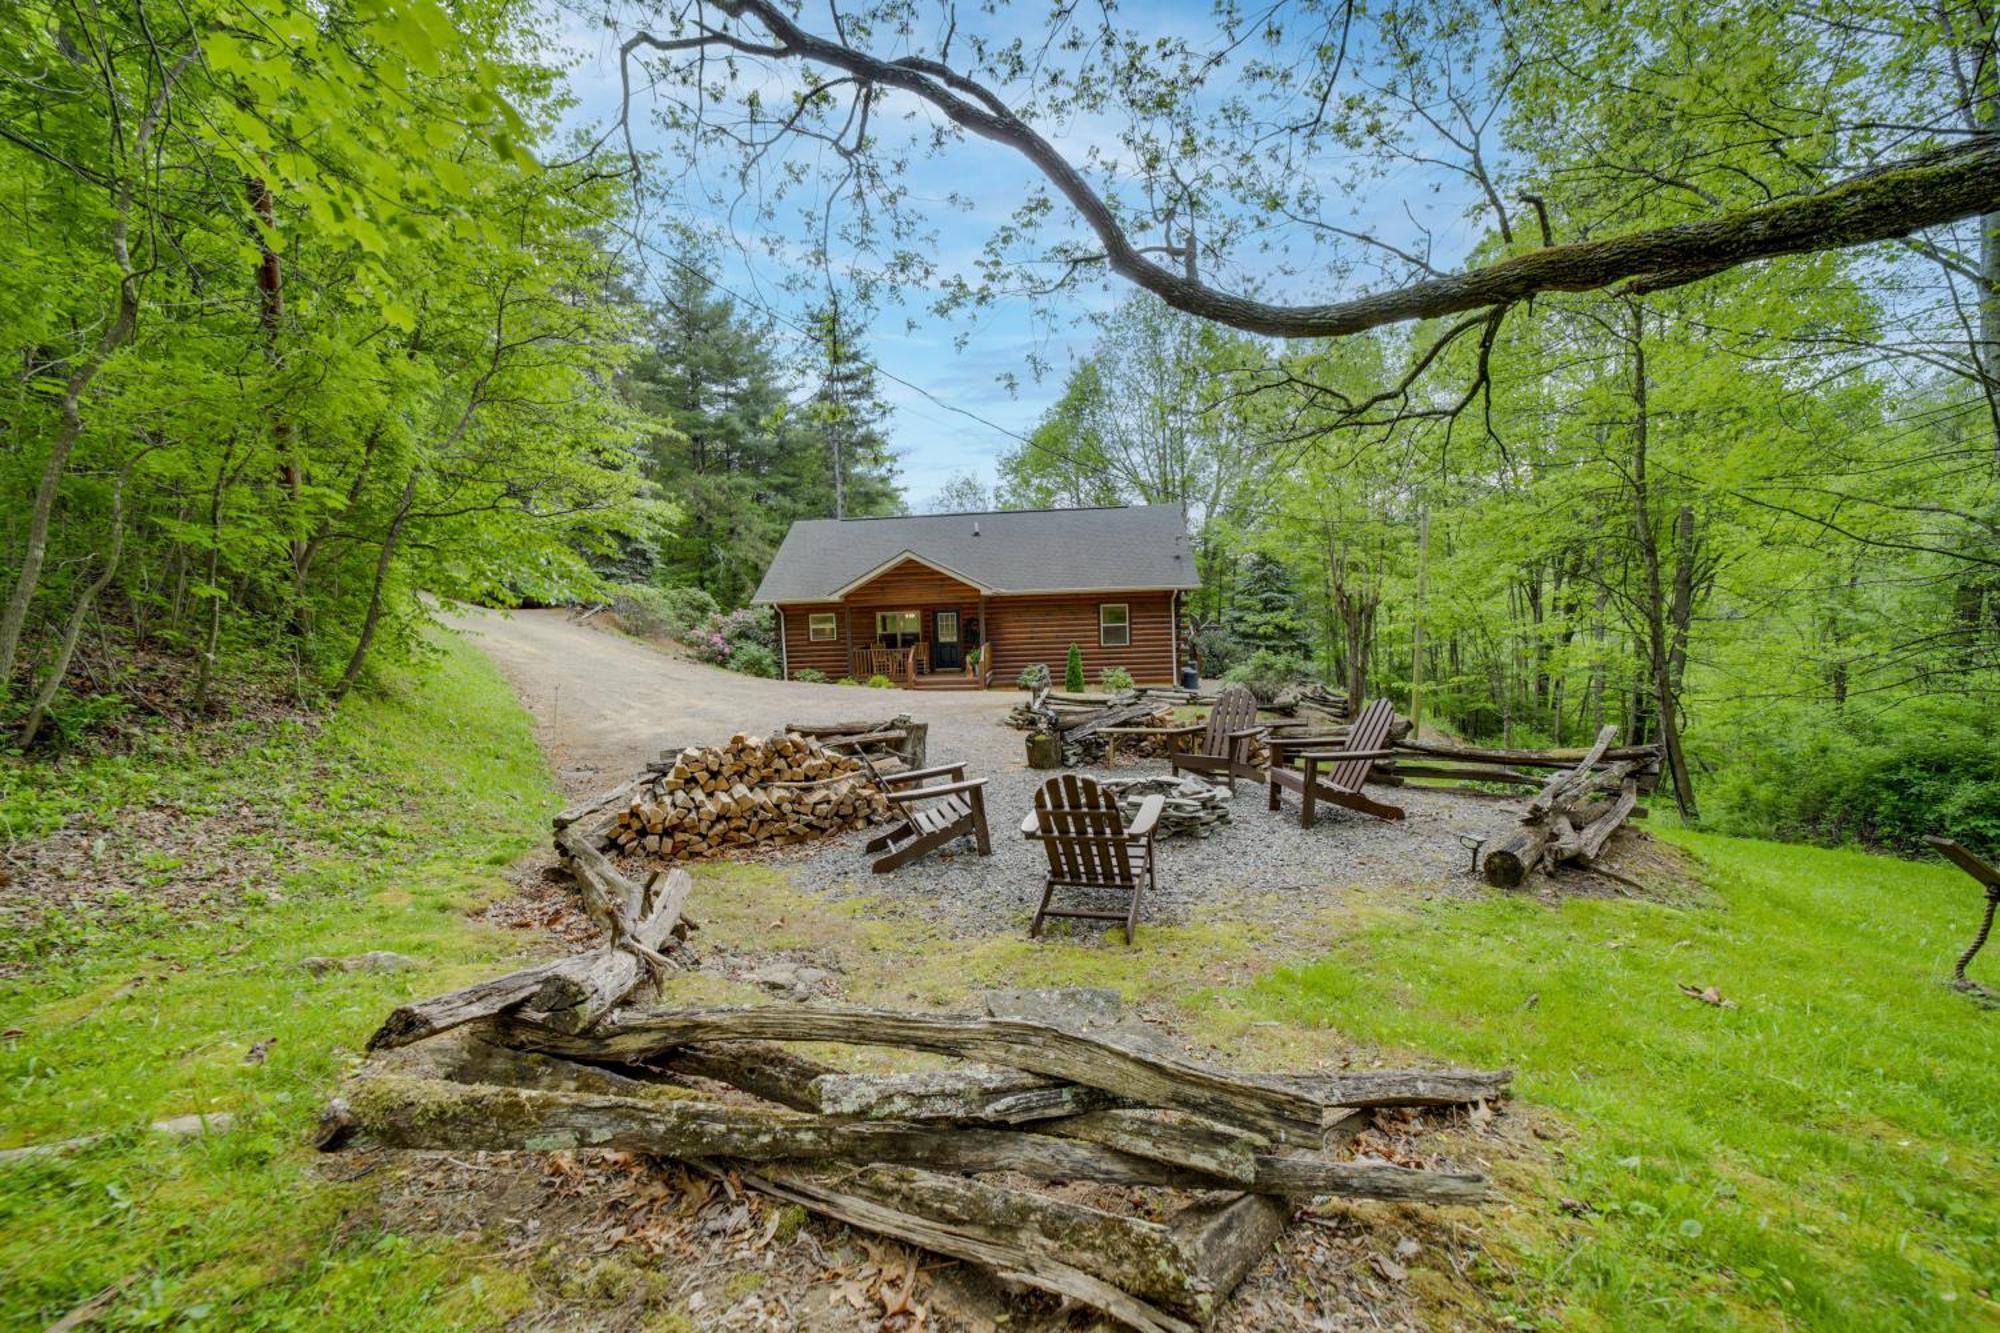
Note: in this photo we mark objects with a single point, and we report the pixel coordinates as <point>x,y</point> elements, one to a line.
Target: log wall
<point>1022,630</point>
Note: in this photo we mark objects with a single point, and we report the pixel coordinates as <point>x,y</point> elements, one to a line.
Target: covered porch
<point>918,625</point>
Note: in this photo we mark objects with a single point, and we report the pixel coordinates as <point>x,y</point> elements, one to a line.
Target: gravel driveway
<point>606,704</point>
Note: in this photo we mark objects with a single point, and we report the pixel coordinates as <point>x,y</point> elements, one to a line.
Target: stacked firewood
<point>750,792</point>
<point>1077,721</point>
<point>1571,818</point>
<point>948,1159</point>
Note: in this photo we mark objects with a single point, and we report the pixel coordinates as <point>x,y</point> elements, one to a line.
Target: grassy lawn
<point>396,818</point>
<point>1824,1155</point>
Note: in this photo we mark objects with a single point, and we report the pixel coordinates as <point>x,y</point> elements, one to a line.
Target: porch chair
<point>1228,739</point>
<point>1091,848</point>
<point>1333,775</point>
<point>929,815</point>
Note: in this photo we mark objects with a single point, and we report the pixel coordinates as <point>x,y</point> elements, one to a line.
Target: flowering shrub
<point>721,637</point>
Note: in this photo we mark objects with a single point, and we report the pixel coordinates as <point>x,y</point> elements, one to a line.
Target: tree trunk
<point>1658,652</point>
<point>73,630</point>
<point>384,560</point>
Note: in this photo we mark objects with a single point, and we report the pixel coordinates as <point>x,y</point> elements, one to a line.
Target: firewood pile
<point>1312,703</point>
<point>751,792</point>
<point>1193,807</point>
<point>1078,721</point>
<point>1573,816</point>
<point>1039,1093</point>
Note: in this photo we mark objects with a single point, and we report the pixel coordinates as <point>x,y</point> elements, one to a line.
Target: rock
<point>376,960</point>
<point>1407,1249</point>
<point>797,980</point>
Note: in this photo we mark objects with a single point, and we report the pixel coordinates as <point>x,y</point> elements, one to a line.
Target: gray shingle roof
<point>1010,551</point>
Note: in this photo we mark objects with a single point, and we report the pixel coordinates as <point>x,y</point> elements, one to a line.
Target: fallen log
<point>1177,1140</point>
<point>1004,1096</point>
<point>1010,1262</point>
<point>1547,834</point>
<point>1287,1114</point>
<point>572,1000</point>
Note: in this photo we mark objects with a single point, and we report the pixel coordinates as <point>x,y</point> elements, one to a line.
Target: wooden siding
<point>910,586</point>
<point>801,653</point>
<point>1026,630</point>
<point>1021,630</point>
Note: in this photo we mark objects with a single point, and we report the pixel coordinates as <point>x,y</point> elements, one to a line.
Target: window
<point>1114,624</point>
<point>898,629</point>
<point>822,627</point>
<point>947,626</point>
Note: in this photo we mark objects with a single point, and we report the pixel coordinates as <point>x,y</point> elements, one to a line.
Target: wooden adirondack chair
<point>1989,879</point>
<point>931,814</point>
<point>1091,848</point>
<point>1334,775</point>
<point>1228,739</point>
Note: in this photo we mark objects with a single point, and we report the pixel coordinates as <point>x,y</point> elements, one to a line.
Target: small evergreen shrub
<point>809,676</point>
<point>754,659</point>
<point>1073,671</point>
<point>847,680</point>
<point>1113,679</point>
<point>881,683</point>
<point>1267,672</point>
<point>1034,677</point>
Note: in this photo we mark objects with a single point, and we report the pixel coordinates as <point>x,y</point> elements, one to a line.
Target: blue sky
<point>932,440</point>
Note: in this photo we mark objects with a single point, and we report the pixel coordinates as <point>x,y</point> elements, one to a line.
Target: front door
<point>947,653</point>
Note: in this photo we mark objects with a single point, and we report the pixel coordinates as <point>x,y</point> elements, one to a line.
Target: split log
<point>1548,833</point>
<point>1010,1262</point>
<point>1522,758</point>
<point>572,1000</point>
<point>1404,1087</point>
<point>1003,1096</point>
<point>1140,1258</point>
<point>1160,1136</point>
<point>1287,1114</point>
<point>401,1111</point>
<point>762,1070</point>
<point>581,811</point>
<point>1230,1237</point>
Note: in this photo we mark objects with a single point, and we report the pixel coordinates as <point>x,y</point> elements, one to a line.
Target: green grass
<point>398,816</point>
<point>1826,1155</point>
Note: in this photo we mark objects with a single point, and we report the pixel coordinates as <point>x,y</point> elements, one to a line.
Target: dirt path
<point>605,704</point>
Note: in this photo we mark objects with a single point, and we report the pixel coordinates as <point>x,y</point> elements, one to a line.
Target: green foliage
<point>1217,649</point>
<point>881,683</point>
<point>1073,670</point>
<point>847,680</point>
<point>722,636</point>
<point>1114,679</point>
<point>754,659</point>
<point>668,613</point>
<point>810,676</point>
<point>1720,1188</point>
<point>1034,676</point>
<point>1886,783</point>
<point>244,1227</point>
<point>1268,673</point>
<point>1264,614</point>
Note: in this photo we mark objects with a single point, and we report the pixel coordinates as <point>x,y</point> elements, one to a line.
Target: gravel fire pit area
<point>1259,860</point>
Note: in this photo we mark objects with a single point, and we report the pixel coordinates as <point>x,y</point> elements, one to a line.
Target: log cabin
<point>962,601</point>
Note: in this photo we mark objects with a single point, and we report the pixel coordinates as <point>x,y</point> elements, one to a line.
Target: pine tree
<point>1073,671</point>
<point>1266,610</point>
<point>848,415</point>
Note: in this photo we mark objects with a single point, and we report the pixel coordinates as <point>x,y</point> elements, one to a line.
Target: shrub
<point>1073,671</point>
<point>754,659</point>
<point>1217,650</point>
<point>1267,672</point>
<point>1113,679</point>
<point>720,636</point>
<point>1033,677</point>
<point>881,683</point>
<point>810,677</point>
<point>847,680</point>
<point>672,613</point>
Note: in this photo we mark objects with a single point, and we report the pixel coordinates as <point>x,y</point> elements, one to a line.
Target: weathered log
<point>1161,1136</point>
<point>758,1068</point>
<point>401,1111</point>
<point>572,1000</point>
<point>1005,1096</point>
<point>179,1127</point>
<point>582,810</point>
<point>1229,1237</point>
<point>1522,758</point>
<point>485,999</point>
<point>1506,863</point>
<point>1141,1258</point>
<point>1590,839</point>
<point>1287,1114</point>
<point>1405,1087</point>
<point>1564,788</point>
<point>815,1191</point>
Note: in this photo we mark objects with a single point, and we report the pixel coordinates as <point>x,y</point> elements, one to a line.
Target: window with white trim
<point>822,627</point>
<point>1114,624</point>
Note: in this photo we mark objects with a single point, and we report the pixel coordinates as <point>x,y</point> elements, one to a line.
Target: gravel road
<point>606,704</point>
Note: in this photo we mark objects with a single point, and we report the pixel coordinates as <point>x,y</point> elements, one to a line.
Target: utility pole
<point>1417,628</point>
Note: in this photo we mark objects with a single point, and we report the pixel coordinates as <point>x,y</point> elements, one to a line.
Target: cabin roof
<point>1113,548</point>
